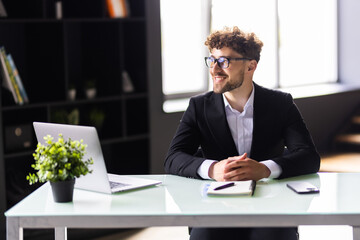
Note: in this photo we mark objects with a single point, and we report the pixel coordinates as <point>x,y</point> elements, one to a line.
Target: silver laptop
<point>99,180</point>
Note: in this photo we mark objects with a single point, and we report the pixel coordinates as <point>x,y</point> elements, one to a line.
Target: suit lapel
<point>215,117</point>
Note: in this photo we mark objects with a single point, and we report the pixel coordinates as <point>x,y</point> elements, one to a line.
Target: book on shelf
<point>11,78</point>
<point>118,8</point>
<point>127,84</point>
<point>3,12</point>
<point>18,79</point>
<point>58,10</point>
<point>7,84</point>
<point>19,100</point>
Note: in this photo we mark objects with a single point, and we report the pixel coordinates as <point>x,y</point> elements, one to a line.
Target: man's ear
<point>252,65</point>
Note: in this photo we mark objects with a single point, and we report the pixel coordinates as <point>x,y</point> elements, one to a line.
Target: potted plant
<point>72,92</point>
<point>97,117</point>
<point>90,88</point>
<point>60,163</point>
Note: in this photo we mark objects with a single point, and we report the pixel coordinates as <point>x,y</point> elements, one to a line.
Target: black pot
<point>63,190</point>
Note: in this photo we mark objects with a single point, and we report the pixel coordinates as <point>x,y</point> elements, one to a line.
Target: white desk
<point>182,202</point>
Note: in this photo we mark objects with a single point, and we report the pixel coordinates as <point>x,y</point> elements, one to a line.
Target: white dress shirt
<point>241,127</point>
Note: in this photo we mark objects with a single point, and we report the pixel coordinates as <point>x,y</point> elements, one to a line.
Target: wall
<point>326,114</point>
<point>162,125</point>
<point>323,114</point>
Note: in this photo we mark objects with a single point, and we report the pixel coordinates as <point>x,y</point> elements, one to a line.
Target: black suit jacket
<point>278,125</point>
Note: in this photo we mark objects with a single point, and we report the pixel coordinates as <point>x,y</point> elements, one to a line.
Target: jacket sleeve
<point>301,156</point>
<point>181,158</point>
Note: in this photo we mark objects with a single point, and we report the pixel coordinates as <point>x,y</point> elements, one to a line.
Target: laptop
<point>99,180</point>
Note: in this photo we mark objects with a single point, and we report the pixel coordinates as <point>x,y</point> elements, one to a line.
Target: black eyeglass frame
<point>216,60</point>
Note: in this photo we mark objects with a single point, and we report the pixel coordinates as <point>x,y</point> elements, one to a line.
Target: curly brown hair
<point>246,44</point>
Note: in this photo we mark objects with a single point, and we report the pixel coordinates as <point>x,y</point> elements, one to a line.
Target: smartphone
<point>302,187</point>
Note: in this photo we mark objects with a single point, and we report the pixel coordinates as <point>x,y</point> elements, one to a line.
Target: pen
<point>225,186</point>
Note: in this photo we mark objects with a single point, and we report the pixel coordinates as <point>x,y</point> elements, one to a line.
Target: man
<point>240,130</point>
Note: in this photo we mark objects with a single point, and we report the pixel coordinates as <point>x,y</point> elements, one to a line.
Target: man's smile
<point>219,78</point>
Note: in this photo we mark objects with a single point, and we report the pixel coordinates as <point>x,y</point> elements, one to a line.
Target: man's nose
<point>216,68</point>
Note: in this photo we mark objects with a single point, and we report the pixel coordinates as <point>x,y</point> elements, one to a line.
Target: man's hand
<point>239,168</point>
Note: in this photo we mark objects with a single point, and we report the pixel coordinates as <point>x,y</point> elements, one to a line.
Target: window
<point>308,42</point>
<point>249,16</point>
<point>300,38</point>
<point>300,41</point>
<point>183,33</point>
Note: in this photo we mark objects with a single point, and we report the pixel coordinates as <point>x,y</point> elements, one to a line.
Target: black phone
<point>302,187</point>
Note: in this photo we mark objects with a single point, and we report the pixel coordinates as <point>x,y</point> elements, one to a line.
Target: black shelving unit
<point>54,55</point>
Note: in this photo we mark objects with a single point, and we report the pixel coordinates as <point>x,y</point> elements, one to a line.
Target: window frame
<point>206,17</point>
<point>206,28</point>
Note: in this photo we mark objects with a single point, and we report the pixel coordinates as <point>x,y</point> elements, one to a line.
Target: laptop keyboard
<point>117,184</point>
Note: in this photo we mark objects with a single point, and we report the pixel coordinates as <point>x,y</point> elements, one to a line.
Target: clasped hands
<point>238,168</point>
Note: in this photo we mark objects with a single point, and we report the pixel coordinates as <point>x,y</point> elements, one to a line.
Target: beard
<point>229,86</point>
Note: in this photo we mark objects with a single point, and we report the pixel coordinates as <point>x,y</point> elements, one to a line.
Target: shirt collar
<point>249,103</point>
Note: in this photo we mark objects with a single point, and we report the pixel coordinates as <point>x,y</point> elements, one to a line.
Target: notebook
<point>99,180</point>
<point>236,188</point>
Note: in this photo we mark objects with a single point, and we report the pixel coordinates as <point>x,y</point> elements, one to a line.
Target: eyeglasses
<point>222,62</point>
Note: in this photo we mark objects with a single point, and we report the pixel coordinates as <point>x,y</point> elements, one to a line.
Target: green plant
<point>66,116</point>
<point>90,83</point>
<point>97,117</point>
<point>59,161</point>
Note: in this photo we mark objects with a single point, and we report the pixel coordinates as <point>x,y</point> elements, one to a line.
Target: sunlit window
<point>300,37</point>
<point>183,32</point>
<point>300,41</point>
<point>307,42</point>
<point>258,16</point>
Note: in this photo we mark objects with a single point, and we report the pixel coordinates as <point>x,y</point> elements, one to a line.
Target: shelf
<point>19,154</point>
<point>82,9</point>
<point>70,20</point>
<point>55,55</point>
<point>104,142</point>
<point>75,102</point>
<point>125,139</point>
